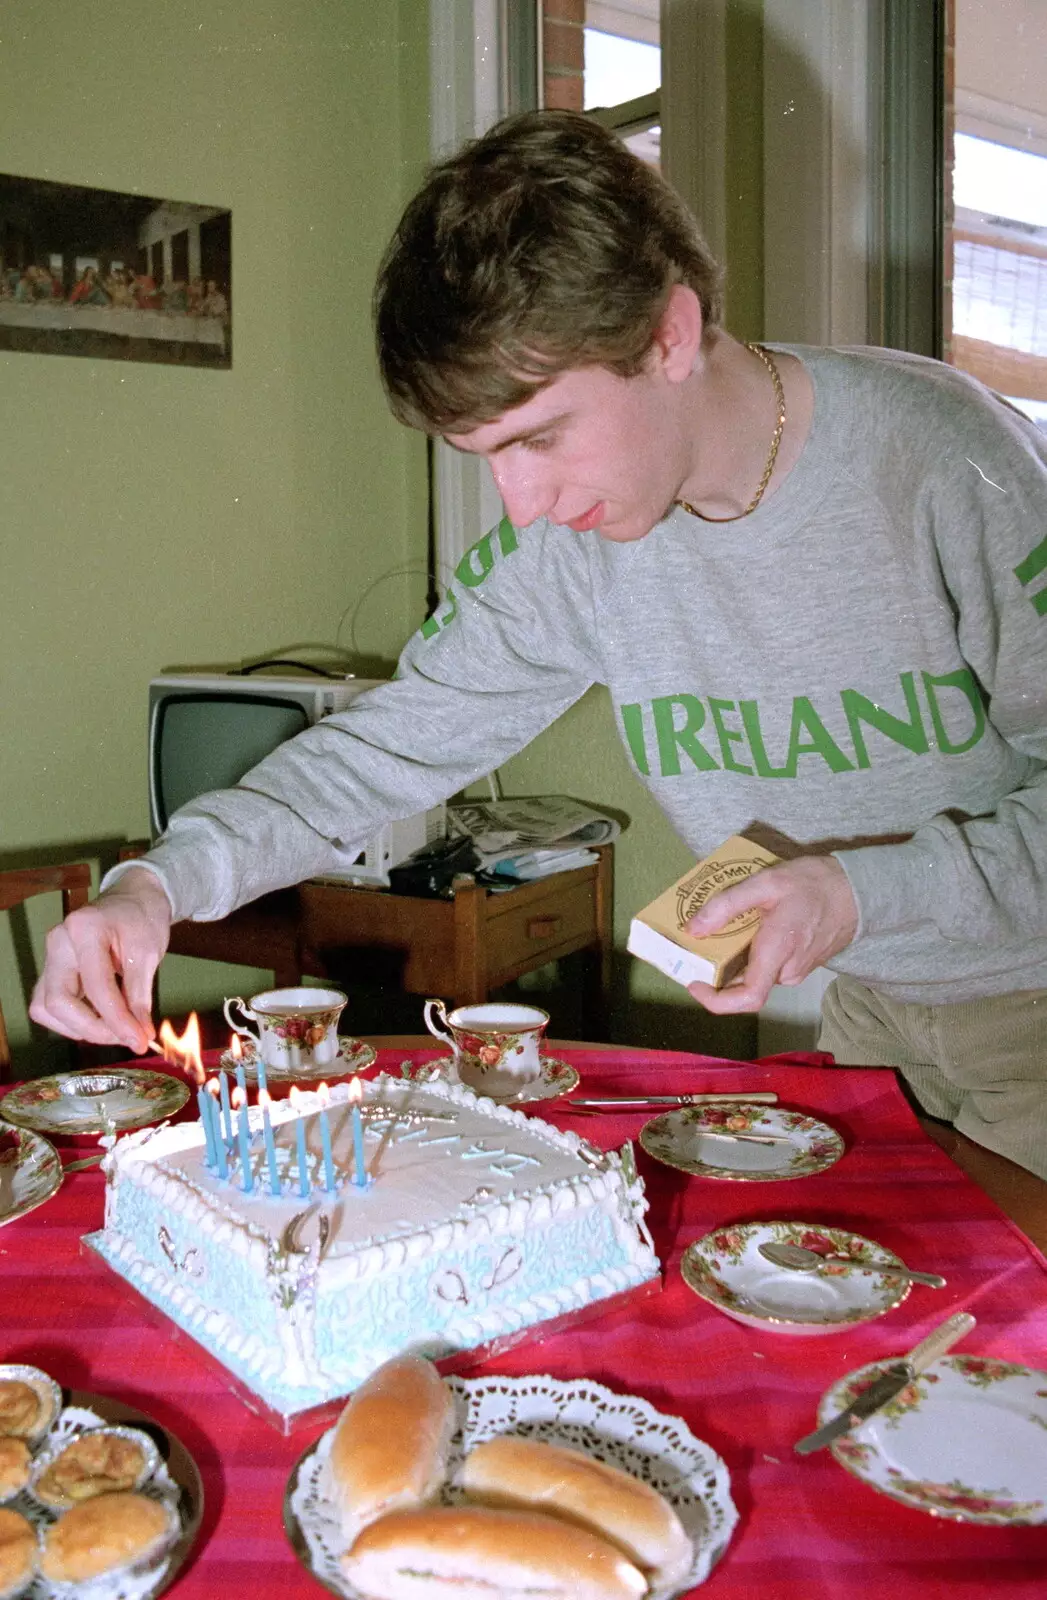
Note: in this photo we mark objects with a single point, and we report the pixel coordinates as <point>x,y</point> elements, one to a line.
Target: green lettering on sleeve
<point>433,624</point>
<point>507,537</point>
<point>911,734</point>
<point>1035,563</point>
<point>821,742</point>
<point>476,563</point>
<point>962,679</point>
<point>750,711</point>
<point>725,735</point>
<point>632,722</point>
<point>673,739</point>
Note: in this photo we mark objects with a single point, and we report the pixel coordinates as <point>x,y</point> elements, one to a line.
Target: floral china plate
<point>726,1268</point>
<point>966,1440</point>
<point>107,1100</point>
<point>698,1139</point>
<point>623,1430</point>
<point>30,1172</point>
<point>556,1078</point>
<point>353,1056</point>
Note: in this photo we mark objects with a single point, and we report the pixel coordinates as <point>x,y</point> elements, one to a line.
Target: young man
<point>812,580</point>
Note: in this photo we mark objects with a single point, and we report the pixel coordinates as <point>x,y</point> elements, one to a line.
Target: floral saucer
<point>727,1269</point>
<point>107,1100</point>
<point>30,1172</point>
<point>556,1078</point>
<point>966,1440</point>
<point>353,1055</point>
<point>697,1139</point>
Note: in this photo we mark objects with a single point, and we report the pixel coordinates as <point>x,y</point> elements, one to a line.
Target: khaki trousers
<point>979,1064</point>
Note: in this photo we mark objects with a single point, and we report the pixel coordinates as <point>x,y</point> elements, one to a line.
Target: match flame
<point>323,1094</point>
<point>183,1050</point>
<point>236,1049</point>
<point>356,1091</point>
<point>238,1097</point>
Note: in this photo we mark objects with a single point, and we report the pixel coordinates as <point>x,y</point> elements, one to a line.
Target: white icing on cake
<point>478,1221</point>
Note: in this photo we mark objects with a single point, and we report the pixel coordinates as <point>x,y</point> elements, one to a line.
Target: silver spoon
<point>800,1259</point>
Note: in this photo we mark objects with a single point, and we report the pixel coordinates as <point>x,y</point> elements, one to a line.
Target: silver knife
<point>889,1383</point>
<point>763,1097</point>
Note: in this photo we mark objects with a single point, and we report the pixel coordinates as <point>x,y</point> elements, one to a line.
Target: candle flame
<point>238,1097</point>
<point>236,1049</point>
<point>265,1099</point>
<point>294,1094</point>
<point>183,1050</point>
<point>212,1087</point>
<point>323,1094</point>
<point>356,1091</point>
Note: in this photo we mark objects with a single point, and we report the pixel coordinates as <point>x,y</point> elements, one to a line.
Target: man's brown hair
<point>542,246</point>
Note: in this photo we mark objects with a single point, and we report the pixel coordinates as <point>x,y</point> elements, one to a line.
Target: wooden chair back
<point>72,881</point>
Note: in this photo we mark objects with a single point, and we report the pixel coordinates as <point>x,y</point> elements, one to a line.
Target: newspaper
<point>546,833</point>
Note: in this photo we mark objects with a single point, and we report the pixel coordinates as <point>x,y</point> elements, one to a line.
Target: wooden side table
<point>458,949</point>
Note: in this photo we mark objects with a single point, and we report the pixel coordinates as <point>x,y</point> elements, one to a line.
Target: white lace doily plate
<point>176,1482</point>
<point>622,1430</point>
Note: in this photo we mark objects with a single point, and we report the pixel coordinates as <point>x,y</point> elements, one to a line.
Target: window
<point>604,56</point>
<point>995,312</point>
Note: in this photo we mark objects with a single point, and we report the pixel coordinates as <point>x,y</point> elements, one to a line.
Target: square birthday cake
<point>473,1221</point>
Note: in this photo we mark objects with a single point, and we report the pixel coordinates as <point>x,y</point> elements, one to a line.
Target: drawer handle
<point>543,927</point>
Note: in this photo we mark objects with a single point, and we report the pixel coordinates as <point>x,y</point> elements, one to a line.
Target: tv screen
<point>208,741</point>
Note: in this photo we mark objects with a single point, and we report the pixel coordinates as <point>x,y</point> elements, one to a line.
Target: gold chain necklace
<point>779,428</point>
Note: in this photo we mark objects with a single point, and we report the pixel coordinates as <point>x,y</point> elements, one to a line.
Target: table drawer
<point>521,933</point>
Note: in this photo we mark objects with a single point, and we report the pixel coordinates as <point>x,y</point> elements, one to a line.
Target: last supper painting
<point>91,272</point>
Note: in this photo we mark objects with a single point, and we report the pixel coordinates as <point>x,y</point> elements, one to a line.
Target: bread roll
<point>473,1553</point>
<point>18,1552</point>
<point>390,1445</point>
<point>514,1472</point>
<point>100,1535</point>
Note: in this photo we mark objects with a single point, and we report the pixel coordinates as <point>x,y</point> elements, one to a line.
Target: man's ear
<point>678,336</point>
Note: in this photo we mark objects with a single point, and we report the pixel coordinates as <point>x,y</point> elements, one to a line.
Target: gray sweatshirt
<point>860,665</point>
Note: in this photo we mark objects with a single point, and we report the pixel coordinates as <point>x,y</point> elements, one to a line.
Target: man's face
<point>592,450</point>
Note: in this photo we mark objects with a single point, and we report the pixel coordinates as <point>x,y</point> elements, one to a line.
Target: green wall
<point>157,516</point>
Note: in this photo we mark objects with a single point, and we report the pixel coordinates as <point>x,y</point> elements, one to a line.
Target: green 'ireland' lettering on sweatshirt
<point>474,567</point>
<point>911,734</point>
<point>1034,565</point>
<point>963,680</point>
<point>957,717</point>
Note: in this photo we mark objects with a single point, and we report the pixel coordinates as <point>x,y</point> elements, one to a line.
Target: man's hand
<point>121,935</point>
<point>807,914</point>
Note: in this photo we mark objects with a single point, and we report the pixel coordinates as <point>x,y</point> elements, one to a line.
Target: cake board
<point>628,1301</point>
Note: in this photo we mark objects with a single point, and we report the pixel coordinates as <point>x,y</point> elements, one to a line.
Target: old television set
<point>207,729</point>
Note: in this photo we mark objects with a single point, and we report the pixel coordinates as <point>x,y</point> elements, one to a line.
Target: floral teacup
<point>496,1048</point>
<point>295,1028</point>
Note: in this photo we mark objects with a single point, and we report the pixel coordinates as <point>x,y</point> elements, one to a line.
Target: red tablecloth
<point>808,1530</point>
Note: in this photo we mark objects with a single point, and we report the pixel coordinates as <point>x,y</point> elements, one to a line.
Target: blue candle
<point>220,1150</point>
<point>360,1175</point>
<point>270,1146</point>
<point>262,1087</point>
<point>325,1141</point>
<point>241,1081</point>
<point>244,1131</point>
<point>204,1106</point>
<point>227,1110</point>
<point>303,1159</point>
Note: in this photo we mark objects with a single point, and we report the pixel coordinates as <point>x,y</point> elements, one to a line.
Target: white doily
<point>622,1430</point>
<point>131,1585</point>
